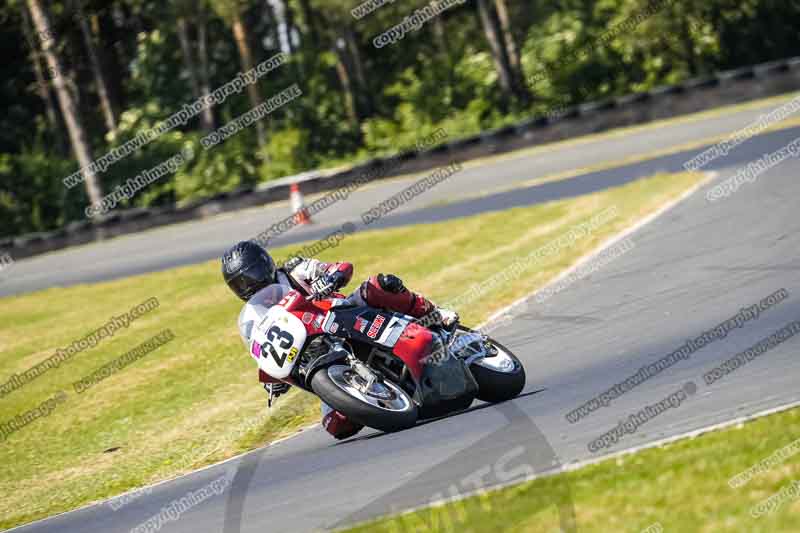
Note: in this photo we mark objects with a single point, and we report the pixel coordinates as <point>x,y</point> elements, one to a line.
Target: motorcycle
<point>382,369</point>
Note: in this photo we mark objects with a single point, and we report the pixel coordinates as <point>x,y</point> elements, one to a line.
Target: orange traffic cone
<point>298,206</point>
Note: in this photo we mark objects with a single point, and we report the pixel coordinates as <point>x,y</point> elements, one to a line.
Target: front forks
<point>364,372</point>
<point>458,343</point>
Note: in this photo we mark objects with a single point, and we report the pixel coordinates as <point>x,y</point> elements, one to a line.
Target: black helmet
<point>247,268</point>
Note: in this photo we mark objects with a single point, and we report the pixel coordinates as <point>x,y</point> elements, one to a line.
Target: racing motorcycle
<point>382,369</point>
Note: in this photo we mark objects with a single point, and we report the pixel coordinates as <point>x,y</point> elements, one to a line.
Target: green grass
<point>682,486</point>
<point>196,400</point>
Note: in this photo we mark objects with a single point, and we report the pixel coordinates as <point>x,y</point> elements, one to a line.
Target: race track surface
<point>691,269</point>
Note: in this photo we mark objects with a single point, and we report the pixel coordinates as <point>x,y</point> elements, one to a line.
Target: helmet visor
<point>252,279</point>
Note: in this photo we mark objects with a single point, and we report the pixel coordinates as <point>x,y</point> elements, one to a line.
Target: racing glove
<point>324,286</point>
<point>446,318</point>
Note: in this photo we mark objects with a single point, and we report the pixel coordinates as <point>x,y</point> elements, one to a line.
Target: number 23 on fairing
<point>277,341</point>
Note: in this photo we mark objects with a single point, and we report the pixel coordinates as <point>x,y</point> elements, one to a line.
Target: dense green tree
<point>77,133</point>
<point>94,74</point>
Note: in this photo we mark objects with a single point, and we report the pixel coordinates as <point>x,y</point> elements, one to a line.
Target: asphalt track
<point>691,269</point>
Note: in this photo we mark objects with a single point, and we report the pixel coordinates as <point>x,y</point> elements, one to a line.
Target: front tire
<point>385,407</point>
<point>499,380</point>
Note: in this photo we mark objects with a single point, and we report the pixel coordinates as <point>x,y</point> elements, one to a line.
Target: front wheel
<point>383,405</point>
<point>500,376</point>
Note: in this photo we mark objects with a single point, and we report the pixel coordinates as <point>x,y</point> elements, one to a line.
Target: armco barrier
<point>724,88</point>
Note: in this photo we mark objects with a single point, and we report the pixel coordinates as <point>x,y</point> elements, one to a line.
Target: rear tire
<point>495,385</point>
<point>335,393</point>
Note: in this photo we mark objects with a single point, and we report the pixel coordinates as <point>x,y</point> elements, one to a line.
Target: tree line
<point>84,77</point>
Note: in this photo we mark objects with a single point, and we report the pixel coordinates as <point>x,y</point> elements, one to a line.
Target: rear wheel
<point>500,375</point>
<point>382,405</point>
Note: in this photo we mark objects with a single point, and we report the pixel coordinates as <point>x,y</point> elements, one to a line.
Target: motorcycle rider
<point>252,275</point>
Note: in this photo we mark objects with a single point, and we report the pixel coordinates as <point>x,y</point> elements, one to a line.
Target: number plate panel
<point>277,341</point>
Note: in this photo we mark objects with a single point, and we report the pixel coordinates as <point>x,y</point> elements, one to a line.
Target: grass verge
<point>195,400</point>
<point>683,487</point>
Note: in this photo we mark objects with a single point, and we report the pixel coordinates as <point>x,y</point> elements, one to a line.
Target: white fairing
<point>277,341</point>
<point>256,309</point>
<point>258,317</point>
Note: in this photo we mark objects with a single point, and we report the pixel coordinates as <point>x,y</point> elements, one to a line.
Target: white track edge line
<point>577,465</point>
<point>611,241</point>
